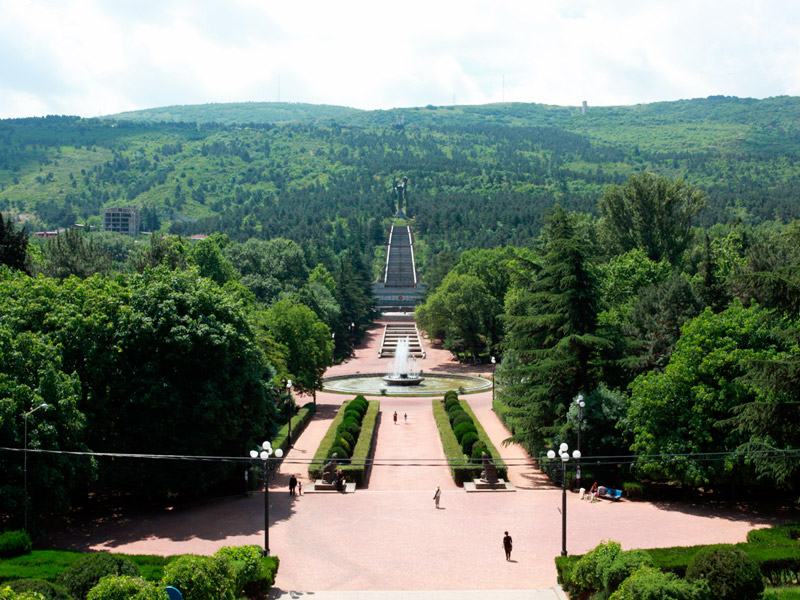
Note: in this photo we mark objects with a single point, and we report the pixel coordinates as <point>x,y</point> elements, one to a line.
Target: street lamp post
<point>581,405</point>
<point>493,369</point>
<point>264,454</point>
<point>25,462</point>
<point>563,452</point>
<point>291,413</point>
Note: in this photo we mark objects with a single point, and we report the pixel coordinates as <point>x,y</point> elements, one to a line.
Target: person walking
<point>405,418</point>
<point>437,495</point>
<point>299,488</point>
<point>395,417</point>
<point>507,545</point>
<point>292,484</point>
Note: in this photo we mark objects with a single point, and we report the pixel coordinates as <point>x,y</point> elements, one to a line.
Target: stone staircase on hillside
<point>394,332</point>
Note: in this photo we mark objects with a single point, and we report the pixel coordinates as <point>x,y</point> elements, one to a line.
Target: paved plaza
<point>389,536</point>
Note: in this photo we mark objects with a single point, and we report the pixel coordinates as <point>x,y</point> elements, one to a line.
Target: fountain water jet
<point>401,373</point>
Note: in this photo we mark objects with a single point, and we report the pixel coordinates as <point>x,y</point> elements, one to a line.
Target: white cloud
<point>85,56</point>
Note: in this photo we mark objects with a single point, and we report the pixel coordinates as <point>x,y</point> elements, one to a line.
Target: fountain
<point>402,373</point>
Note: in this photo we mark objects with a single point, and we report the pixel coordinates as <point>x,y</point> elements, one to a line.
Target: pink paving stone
<point>389,536</point>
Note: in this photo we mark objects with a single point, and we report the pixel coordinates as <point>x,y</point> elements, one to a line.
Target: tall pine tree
<point>551,345</point>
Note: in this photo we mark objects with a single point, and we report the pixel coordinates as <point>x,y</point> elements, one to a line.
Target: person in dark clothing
<point>507,546</point>
<point>292,484</point>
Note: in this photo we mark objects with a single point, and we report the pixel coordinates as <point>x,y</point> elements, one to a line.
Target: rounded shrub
<point>612,571</point>
<point>350,422</point>
<point>15,543</point>
<point>728,571</point>
<point>451,404</point>
<point>586,574</point>
<point>348,437</point>
<point>450,395</point>
<point>342,443</point>
<point>478,449</point>
<point>201,577</point>
<point>6,593</point>
<point>354,415</point>
<point>463,428</point>
<point>253,575</point>
<point>341,453</point>
<point>453,414</point>
<point>467,441</point>
<point>462,418</point>
<point>50,591</point>
<point>124,587</point>
<point>85,572</point>
<point>649,583</point>
<point>358,404</point>
<point>350,427</point>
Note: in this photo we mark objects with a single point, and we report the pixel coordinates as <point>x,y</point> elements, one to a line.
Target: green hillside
<point>479,175</point>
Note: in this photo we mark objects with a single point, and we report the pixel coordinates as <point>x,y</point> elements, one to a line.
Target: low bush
<point>350,427</point>
<point>462,417</point>
<point>348,437</point>
<point>649,583</point>
<point>254,573</point>
<point>6,593</point>
<point>613,571</point>
<point>586,575</point>
<point>49,590</point>
<point>467,442</point>
<point>341,453</point>
<point>463,428</point>
<point>728,571</point>
<point>633,489</point>
<point>201,577</point>
<point>15,543</point>
<point>450,395</point>
<point>353,415</point>
<point>125,587</point>
<point>84,573</point>
<point>342,443</point>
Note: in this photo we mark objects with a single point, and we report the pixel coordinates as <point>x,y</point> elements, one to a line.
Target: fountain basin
<point>430,385</point>
<point>403,380</point>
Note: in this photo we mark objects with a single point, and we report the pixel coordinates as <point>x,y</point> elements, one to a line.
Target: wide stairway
<point>394,332</point>
<point>400,269</point>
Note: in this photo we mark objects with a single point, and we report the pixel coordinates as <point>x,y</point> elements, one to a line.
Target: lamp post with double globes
<point>25,462</point>
<point>264,454</point>
<point>291,413</point>
<point>563,452</point>
<point>494,361</point>
<point>581,405</point>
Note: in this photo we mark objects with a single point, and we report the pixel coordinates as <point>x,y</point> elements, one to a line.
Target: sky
<point>100,57</point>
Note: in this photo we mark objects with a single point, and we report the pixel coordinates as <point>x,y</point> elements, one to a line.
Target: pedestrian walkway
<point>554,593</point>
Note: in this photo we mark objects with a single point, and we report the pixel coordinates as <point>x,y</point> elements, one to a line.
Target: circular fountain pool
<point>373,383</point>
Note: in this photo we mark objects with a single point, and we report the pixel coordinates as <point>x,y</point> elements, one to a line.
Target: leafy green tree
<point>74,253</point>
<point>307,341</point>
<point>652,213</point>
<point>31,374</point>
<point>354,296</point>
<point>461,312</point>
<point>169,251</point>
<point>551,343</point>
<point>269,268</point>
<point>13,245</point>
<point>207,256</point>
<point>687,408</point>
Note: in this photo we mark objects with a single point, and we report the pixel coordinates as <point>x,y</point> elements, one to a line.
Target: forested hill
<point>478,175</point>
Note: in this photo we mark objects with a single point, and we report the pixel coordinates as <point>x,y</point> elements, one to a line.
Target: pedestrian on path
<point>395,417</point>
<point>299,488</point>
<point>437,495</point>
<point>405,418</point>
<point>507,546</point>
<point>292,484</point>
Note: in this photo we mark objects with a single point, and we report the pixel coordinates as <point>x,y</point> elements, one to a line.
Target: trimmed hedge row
<point>299,422</point>
<point>245,571</point>
<point>460,468</point>
<point>776,551</point>
<point>357,470</point>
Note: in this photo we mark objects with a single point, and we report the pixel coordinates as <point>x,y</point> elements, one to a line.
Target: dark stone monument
<point>329,470</point>
<point>489,473</point>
